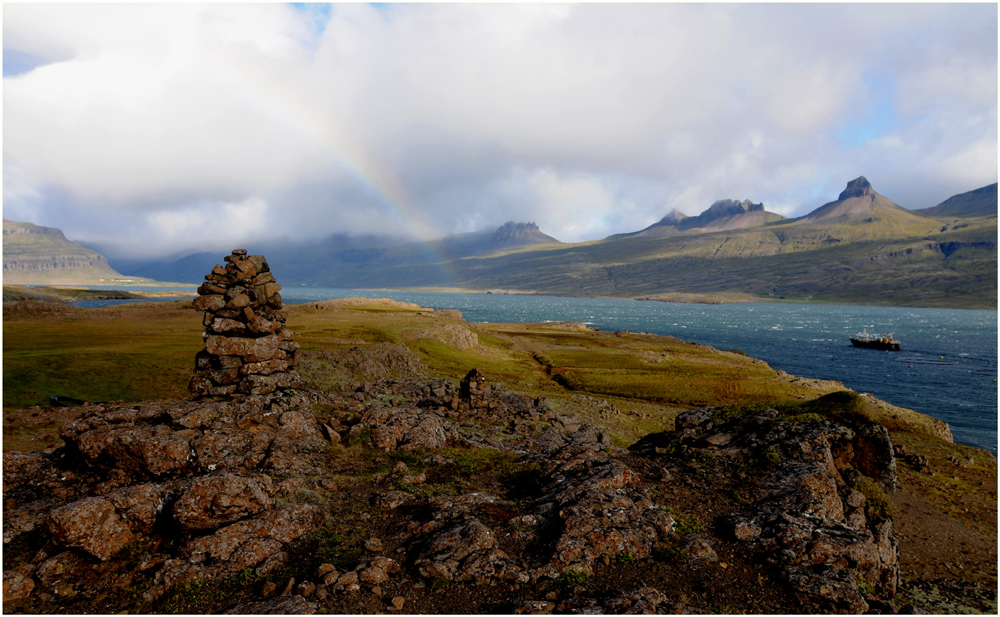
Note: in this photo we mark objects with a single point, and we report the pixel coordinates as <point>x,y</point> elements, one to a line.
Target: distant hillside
<point>725,214</point>
<point>353,261</point>
<point>33,255</point>
<point>188,269</point>
<point>861,248</point>
<point>980,202</point>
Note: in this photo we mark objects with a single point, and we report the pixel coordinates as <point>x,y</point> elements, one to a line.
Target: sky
<point>155,129</point>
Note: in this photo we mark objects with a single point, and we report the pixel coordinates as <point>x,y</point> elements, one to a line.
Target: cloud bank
<point>155,128</point>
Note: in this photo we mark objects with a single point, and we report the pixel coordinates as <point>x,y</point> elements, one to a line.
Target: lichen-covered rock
<point>140,504</point>
<point>396,428</point>
<point>805,515</point>
<point>258,537</point>
<point>213,501</point>
<point>92,525</point>
<point>17,585</point>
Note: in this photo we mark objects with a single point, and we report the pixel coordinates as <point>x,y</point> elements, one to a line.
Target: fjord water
<point>947,367</point>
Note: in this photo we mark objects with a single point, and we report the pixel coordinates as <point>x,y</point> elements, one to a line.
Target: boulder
<point>91,525</point>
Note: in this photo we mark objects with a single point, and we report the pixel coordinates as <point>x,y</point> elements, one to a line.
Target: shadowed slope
<point>980,202</point>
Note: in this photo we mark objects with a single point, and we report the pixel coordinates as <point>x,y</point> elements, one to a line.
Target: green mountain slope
<point>862,248</point>
<point>980,202</point>
<point>34,254</point>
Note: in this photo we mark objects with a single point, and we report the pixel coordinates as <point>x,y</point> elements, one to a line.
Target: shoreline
<point>675,297</point>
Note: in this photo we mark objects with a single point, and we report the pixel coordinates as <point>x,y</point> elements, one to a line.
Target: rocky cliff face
<point>729,207</point>
<point>32,253</point>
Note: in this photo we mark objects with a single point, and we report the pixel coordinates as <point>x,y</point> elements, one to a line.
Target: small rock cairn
<point>248,349</point>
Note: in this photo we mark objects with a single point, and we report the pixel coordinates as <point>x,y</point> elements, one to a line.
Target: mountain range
<point>860,248</point>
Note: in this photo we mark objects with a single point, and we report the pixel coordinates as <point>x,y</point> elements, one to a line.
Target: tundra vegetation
<point>700,499</point>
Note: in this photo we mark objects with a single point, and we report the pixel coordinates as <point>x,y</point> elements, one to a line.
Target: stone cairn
<point>248,349</point>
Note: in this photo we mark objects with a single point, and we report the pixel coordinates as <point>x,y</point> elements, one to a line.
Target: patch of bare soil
<point>945,515</point>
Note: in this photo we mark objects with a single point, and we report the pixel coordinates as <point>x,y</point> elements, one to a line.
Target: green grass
<point>201,596</point>
<point>686,523</point>
<point>131,359</point>
<point>876,500</point>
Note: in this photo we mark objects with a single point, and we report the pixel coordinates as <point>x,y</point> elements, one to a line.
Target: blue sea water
<point>947,367</point>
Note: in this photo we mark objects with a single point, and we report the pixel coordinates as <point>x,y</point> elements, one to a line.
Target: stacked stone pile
<point>248,349</point>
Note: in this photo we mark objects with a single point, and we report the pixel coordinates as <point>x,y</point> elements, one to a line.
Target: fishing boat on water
<point>875,341</point>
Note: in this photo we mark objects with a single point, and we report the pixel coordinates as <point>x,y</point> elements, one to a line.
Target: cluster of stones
<point>248,349</point>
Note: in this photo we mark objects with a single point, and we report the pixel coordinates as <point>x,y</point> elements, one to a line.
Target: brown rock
<point>239,301</point>
<point>139,504</point>
<point>263,368</point>
<point>210,302</point>
<point>228,326</point>
<point>271,564</point>
<point>213,501</point>
<point>92,525</point>
<point>348,581</point>
<point>16,586</point>
<point>323,570</point>
<point>251,349</point>
<point>374,575</point>
<point>282,526</point>
<point>210,289</point>
<point>397,429</point>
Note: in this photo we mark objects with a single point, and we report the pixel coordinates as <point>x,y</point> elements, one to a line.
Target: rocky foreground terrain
<point>145,500</point>
<point>389,489</point>
<point>427,496</point>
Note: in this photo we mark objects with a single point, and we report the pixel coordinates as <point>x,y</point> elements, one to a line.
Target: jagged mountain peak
<point>859,187</point>
<point>730,207</point>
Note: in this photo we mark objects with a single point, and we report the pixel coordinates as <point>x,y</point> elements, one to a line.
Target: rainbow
<point>372,176</point>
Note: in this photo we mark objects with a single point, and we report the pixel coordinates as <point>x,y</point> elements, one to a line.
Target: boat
<point>875,341</point>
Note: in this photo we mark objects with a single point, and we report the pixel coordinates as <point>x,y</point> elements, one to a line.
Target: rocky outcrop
<point>248,349</point>
<point>195,476</point>
<point>818,511</point>
<point>602,512</point>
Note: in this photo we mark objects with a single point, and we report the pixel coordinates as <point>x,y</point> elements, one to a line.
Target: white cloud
<point>588,119</point>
